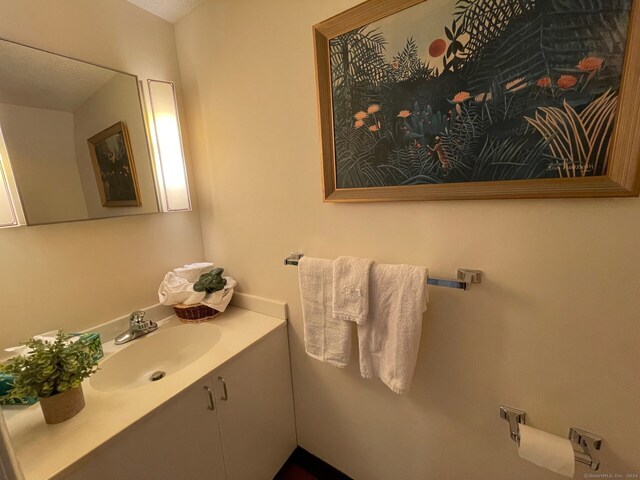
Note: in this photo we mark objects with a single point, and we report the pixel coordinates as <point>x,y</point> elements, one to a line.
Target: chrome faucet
<point>138,327</point>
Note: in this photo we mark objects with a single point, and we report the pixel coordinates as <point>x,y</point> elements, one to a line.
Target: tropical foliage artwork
<point>500,90</point>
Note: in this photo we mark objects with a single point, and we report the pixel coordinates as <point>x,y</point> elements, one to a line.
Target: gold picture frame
<point>114,167</point>
<point>620,175</point>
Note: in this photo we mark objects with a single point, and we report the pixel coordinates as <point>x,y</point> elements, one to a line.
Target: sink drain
<point>155,376</point>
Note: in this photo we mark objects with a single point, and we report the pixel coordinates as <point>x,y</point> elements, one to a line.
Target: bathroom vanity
<point>223,412</point>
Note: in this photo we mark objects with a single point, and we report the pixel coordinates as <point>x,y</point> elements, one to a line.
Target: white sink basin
<point>167,350</point>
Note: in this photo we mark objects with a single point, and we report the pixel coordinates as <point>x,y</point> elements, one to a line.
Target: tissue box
<point>6,385</point>
<point>91,340</point>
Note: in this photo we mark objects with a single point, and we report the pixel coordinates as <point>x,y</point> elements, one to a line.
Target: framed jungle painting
<point>464,99</point>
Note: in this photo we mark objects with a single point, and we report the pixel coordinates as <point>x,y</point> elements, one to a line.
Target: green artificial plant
<point>210,282</point>
<point>50,368</point>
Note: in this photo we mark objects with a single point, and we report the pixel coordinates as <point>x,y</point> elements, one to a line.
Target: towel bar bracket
<point>293,258</point>
<point>468,277</point>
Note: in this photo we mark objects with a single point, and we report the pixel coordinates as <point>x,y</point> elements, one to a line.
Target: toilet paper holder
<point>588,443</point>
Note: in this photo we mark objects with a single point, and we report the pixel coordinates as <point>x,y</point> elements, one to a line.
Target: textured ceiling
<point>33,78</point>
<point>170,10</point>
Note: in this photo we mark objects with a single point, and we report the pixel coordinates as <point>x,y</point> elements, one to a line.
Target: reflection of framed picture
<point>444,99</point>
<point>114,168</point>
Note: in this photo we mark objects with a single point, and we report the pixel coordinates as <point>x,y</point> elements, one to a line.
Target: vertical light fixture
<point>167,144</point>
<point>10,209</point>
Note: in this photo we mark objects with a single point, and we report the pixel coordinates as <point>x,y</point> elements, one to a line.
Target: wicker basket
<point>195,313</point>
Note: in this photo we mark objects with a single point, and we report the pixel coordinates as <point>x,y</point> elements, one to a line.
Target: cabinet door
<point>256,419</point>
<point>179,440</point>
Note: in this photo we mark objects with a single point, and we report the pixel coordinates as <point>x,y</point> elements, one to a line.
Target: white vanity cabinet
<point>178,440</point>
<point>247,435</point>
<point>255,411</point>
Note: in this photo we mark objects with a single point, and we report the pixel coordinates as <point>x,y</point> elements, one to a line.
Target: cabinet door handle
<point>225,394</point>
<point>210,393</point>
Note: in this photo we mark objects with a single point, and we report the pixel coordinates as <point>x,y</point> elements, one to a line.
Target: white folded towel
<point>192,271</point>
<point>389,340</point>
<point>174,290</point>
<point>325,338</point>
<point>220,300</point>
<point>351,288</point>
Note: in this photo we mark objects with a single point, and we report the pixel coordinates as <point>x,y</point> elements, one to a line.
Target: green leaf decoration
<point>210,282</point>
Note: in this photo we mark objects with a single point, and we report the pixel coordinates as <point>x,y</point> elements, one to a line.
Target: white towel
<point>351,288</point>
<point>174,290</point>
<point>325,338</point>
<point>220,300</point>
<point>389,340</point>
<point>192,271</point>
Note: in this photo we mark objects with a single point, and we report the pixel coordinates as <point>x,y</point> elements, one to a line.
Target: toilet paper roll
<point>546,450</point>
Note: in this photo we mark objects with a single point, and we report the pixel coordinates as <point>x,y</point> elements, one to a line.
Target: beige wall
<point>116,101</point>
<point>553,329</point>
<point>40,143</point>
<point>78,274</point>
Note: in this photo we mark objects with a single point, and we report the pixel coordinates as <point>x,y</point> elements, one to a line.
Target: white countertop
<point>45,450</point>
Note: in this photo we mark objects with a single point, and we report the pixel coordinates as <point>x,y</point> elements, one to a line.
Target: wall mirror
<point>75,137</point>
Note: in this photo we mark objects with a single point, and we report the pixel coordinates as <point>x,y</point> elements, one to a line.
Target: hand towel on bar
<point>389,340</point>
<point>174,290</point>
<point>351,289</point>
<point>325,338</point>
<point>192,271</point>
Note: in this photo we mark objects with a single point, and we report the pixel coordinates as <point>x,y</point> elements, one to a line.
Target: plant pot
<point>62,406</point>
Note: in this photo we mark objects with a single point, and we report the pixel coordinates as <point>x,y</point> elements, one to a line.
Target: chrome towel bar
<point>466,277</point>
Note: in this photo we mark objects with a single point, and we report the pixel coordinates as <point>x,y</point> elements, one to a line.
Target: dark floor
<point>302,465</point>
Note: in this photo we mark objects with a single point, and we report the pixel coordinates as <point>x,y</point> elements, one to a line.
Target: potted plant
<point>53,371</point>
